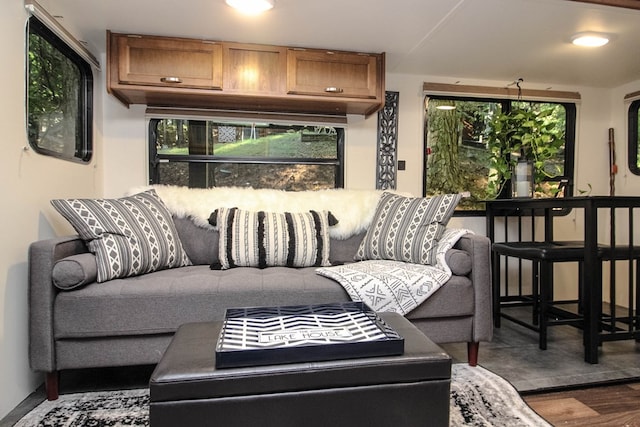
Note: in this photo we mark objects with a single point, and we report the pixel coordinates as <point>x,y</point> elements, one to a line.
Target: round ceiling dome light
<point>590,39</point>
<point>251,7</point>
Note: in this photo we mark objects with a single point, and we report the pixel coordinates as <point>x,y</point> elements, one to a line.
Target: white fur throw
<point>354,209</point>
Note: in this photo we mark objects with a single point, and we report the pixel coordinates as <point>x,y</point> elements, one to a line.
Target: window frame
<point>634,137</point>
<point>567,179</point>
<point>83,143</point>
<point>155,159</point>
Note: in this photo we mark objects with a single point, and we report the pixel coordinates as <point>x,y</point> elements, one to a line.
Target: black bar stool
<point>545,311</point>
<point>543,255</point>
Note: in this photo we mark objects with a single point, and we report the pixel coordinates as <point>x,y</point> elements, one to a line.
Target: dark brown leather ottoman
<point>408,390</point>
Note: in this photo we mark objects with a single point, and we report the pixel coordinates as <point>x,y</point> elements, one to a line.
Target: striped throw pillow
<point>264,239</point>
<point>129,236</point>
<point>407,228</point>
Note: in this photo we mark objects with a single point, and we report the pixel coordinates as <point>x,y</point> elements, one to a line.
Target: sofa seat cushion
<point>455,298</point>
<point>161,301</point>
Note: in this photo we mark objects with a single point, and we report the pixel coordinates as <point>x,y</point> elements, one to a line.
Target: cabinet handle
<point>334,90</point>
<point>171,80</point>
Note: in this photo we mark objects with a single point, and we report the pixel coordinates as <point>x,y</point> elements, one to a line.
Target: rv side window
<point>59,97</point>
<point>243,153</point>
<point>464,152</point>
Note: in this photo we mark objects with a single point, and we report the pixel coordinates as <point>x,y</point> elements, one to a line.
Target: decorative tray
<point>304,333</point>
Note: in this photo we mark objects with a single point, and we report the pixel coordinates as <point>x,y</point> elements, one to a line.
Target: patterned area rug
<point>481,398</point>
<point>478,398</point>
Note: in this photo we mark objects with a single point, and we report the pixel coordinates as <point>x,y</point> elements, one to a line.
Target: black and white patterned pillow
<point>263,239</point>
<point>407,228</point>
<point>129,236</point>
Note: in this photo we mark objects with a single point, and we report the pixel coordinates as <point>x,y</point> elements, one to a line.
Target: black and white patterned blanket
<point>386,285</point>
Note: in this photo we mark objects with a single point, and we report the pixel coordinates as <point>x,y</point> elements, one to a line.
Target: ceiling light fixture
<point>251,7</point>
<point>590,39</point>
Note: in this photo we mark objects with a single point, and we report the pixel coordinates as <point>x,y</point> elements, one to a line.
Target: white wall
<point>28,182</point>
<point>125,147</point>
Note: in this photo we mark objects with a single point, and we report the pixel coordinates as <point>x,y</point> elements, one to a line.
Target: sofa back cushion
<point>343,251</point>
<point>200,244</point>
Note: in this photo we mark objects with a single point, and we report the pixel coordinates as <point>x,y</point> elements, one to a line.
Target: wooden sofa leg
<point>472,353</point>
<point>51,385</point>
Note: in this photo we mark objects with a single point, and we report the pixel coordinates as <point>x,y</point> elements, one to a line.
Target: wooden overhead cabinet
<point>179,72</point>
<point>165,62</point>
<point>254,69</point>
<point>335,74</point>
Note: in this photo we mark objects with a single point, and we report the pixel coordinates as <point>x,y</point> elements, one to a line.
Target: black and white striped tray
<point>275,335</point>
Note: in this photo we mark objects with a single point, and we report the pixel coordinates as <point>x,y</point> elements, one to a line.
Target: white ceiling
<point>462,39</point>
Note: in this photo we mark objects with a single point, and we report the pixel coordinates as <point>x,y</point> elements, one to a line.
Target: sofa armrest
<point>479,247</point>
<point>42,256</point>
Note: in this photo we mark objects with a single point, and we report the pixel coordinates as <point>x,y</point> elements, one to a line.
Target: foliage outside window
<point>534,133</point>
<point>59,94</point>
<point>203,154</point>
<point>461,146</point>
<point>634,137</point>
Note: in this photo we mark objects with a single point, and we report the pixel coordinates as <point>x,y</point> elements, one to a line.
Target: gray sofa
<point>131,321</point>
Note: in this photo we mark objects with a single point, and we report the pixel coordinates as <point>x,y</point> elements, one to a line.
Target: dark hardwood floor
<point>615,405</point>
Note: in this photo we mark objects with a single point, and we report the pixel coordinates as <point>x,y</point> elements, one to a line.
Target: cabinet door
<point>326,73</point>
<point>258,69</point>
<point>157,61</point>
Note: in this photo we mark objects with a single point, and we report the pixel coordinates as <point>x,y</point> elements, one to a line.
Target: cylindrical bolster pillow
<point>458,261</point>
<point>74,271</point>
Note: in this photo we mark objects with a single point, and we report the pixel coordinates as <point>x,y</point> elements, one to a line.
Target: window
<point>634,137</point>
<point>59,96</point>
<point>458,148</point>
<point>216,153</point>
